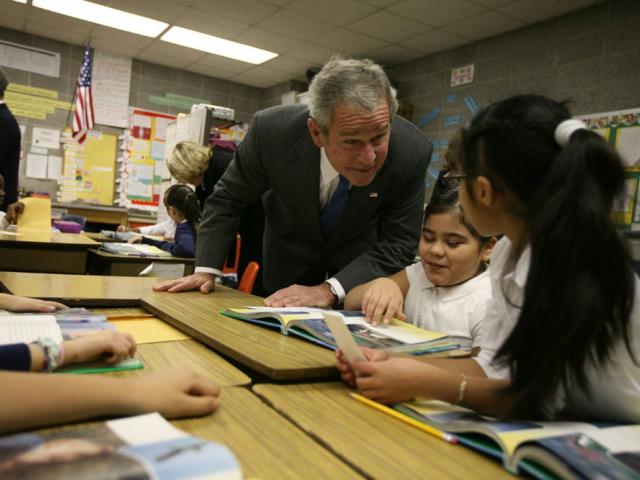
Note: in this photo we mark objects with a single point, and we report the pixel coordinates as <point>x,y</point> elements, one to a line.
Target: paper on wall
<point>45,137</point>
<point>36,166</point>
<point>54,167</point>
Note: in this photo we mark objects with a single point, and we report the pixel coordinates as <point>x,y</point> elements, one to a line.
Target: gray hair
<point>4,83</point>
<point>358,83</point>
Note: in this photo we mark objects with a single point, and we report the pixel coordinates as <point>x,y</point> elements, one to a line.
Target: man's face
<point>356,141</point>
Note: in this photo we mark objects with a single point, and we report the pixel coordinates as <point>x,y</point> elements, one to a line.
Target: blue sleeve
<point>15,357</point>
<point>184,244</point>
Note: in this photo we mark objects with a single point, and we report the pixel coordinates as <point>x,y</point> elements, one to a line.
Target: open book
<point>142,447</point>
<point>308,323</point>
<point>541,449</point>
<point>134,249</point>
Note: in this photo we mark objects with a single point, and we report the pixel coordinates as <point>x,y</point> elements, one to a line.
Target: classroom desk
<point>104,263</point>
<point>261,349</point>
<point>94,213</point>
<point>85,290</point>
<point>373,442</point>
<point>44,251</point>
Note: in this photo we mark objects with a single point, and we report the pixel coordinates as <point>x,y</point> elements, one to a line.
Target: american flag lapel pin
<point>373,194</point>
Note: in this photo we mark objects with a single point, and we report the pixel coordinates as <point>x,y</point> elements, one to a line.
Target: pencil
<point>447,437</point>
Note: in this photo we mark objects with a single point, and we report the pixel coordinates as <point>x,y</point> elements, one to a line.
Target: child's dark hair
<point>184,199</point>
<point>580,286</point>
<point>444,199</point>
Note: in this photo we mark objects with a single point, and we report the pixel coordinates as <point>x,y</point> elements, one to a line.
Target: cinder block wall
<point>590,57</point>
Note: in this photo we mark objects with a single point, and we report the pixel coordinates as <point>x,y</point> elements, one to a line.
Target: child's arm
<point>14,303</point>
<point>184,246</point>
<point>381,299</point>
<point>31,400</point>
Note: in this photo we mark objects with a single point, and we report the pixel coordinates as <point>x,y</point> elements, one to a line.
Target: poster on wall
<point>88,170</point>
<point>111,86</point>
<point>143,159</point>
<point>622,130</point>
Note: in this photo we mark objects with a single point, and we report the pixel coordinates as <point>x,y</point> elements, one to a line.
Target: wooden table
<point>95,213</point>
<point>44,251</point>
<point>104,263</point>
<point>261,349</point>
<point>86,290</point>
<point>373,442</point>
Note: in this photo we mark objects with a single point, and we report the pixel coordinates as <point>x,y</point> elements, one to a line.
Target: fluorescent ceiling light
<point>110,17</point>
<point>217,46</point>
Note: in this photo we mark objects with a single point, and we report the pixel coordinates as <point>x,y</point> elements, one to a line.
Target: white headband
<point>565,129</point>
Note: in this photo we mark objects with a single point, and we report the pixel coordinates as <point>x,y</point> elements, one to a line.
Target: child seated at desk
<point>182,207</point>
<point>165,229</point>
<point>448,289</point>
<point>35,399</point>
<point>11,215</point>
<point>562,331</point>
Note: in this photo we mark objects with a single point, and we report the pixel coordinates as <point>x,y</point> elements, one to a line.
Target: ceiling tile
<point>434,41</point>
<point>189,55</point>
<point>290,65</point>
<point>160,59</point>
<point>211,24</point>
<point>12,9</point>
<point>492,3</point>
<point>484,25</point>
<point>313,53</point>
<point>15,23</point>
<point>210,71</point>
<point>389,27</point>
<point>350,42</point>
<point>394,54</point>
<point>267,73</point>
<point>279,3</point>
<point>381,3</point>
<point>254,82</point>
<point>338,12</point>
<point>224,63</point>
<point>290,23</point>
<point>120,37</point>
<point>532,11</point>
<point>245,11</point>
<point>272,41</point>
<point>53,20</point>
<point>436,12</point>
<point>163,10</point>
<point>54,33</point>
<point>115,48</point>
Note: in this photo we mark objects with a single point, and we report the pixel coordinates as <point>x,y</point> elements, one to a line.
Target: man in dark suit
<point>343,185</point>
<point>9,151</point>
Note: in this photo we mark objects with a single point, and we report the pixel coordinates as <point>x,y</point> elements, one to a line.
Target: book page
<point>344,339</point>
<point>27,328</point>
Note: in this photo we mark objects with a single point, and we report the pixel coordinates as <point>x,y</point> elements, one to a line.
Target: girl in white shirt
<point>562,333</point>
<point>448,289</point>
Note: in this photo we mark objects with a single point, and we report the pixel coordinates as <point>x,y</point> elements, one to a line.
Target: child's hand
<point>114,346</point>
<point>13,211</point>
<point>393,380</point>
<point>383,301</point>
<point>345,369</point>
<point>174,393</point>
<point>14,303</point>
<point>135,239</point>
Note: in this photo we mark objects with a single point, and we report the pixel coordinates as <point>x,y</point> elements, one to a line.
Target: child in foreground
<point>182,207</point>
<point>34,399</point>
<point>562,331</point>
<point>448,289</point>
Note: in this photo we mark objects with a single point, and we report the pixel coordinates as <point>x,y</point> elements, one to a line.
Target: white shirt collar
<point>327,172</point>
<point>1,101</point>
<point>461,290</point>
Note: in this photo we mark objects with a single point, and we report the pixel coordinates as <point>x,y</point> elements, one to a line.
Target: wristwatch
<point>53,353</point>
<point>334,293</point>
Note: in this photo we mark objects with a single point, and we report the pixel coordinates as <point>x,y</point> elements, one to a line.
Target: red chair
<point>234,267</point>
<point>249,277</point>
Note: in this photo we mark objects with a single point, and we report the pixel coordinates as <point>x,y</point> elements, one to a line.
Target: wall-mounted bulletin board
<point>622,130</point>
<point>143,159</point>
<point>89,169</point>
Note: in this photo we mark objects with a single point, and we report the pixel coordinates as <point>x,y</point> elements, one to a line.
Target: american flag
<point>83,119</point>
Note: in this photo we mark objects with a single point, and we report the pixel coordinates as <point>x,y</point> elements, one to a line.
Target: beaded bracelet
<point>462,389</point>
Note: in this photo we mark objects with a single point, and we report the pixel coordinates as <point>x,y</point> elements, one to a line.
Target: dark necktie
<point>333,210</point>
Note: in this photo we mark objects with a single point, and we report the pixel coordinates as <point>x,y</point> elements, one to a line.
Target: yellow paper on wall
<point>150,330</point>
<point>36,215</point>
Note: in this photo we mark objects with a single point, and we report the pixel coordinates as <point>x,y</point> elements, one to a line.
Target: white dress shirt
<point>615,385</point>
<point>166,229</point>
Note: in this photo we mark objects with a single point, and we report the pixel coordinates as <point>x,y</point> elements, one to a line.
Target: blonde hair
<point>188,161</point>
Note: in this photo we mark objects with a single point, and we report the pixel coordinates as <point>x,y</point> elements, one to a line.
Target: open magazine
<point>541,449</point>
<point>142,447</point>
<point>308,323</point>
<point>134,249</point>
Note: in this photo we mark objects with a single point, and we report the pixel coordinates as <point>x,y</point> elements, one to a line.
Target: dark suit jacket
<point>9,154</point>
<point>377,234</point>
